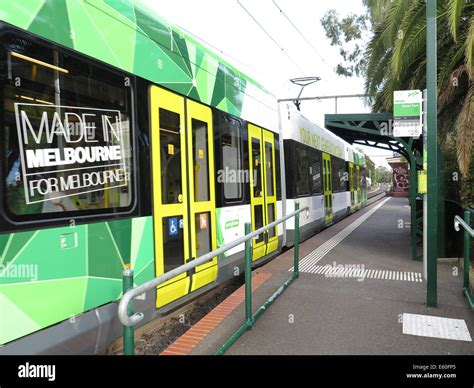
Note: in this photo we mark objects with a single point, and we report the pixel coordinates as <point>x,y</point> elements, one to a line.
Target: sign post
<point>432,149</point>
<point>424,189</point>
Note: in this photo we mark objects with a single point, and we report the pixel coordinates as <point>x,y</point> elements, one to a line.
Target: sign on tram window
<point>67,137</point>
<point>69,151</point>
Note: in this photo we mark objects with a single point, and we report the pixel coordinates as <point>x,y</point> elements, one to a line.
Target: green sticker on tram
<point>232,224</point>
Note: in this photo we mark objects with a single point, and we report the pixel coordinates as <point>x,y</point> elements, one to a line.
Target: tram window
<point>302,170</point>
<point>170,145</point>
<point>315,172</point>
<point>72,151</point>
<point>269,168</point>
<point>203,233</point>
<point>277,168</point>
<point>363,178</point>
<point>232,158</point>
<point>257,168</point>
<point>173,243</point>
<point>271,218</point>
<point>354,178</point>
<point>343,176</point>
<point>339,175</point>
<point>200,162</point>
<point>335,174</point>
<point>258,217</point>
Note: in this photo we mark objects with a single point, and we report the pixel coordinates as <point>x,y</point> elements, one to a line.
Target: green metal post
<point>467,250</point>
<point>249,318</point>
<point>128,331</point>
<point>296,265</point>
<point>441,204</point>
<point>248,277</point>
<point>413,188</point>
<point>432,140</point>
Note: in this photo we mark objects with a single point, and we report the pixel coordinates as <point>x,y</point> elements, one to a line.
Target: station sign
<point>407,113</point>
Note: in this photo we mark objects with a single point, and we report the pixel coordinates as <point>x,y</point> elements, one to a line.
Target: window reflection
<point>66,132</point>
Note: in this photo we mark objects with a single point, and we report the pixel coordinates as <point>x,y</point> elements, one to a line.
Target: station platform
<point>357,294</point>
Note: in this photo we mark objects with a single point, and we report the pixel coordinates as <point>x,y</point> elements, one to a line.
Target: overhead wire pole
<point>270,36</point>
<point>432,149</point>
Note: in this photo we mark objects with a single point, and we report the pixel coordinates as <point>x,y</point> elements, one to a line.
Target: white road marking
<point>351,272</point>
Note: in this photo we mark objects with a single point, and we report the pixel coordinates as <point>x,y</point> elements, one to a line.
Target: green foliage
<point>396,60</point>
<point>382,175</point>
<point>347,33</point>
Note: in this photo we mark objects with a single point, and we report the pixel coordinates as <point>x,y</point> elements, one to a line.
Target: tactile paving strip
<point>436,327</point>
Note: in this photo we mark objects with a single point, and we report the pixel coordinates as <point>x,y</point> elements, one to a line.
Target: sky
<point>233,34</point>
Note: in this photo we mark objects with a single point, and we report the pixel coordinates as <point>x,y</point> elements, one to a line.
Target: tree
<point>383,175</point>
<point>399,46</point>
<point>395,59</point>
<point>347,34</point>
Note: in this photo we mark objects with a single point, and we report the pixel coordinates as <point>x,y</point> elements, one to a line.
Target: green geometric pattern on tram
<point>121,233</point>
<point>104,256</point>
<point>142,244</point>
<point>109,290</point>
<point>14,323</point>
<point>115,46</point>
<point>61,299</point>
<point>121,33</point>
<point>42,257</point>
<point>124,8</point>
<point>20,13</point>
<point>3,243</point>
<point>15,245</point>
<point>72,280</point>
<point>61,31</point>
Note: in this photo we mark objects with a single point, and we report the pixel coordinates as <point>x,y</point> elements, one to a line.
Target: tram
<point>127,143</point>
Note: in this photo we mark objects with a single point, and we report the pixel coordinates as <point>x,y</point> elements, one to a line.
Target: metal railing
<point>468,234</point>
<point>129,319</point>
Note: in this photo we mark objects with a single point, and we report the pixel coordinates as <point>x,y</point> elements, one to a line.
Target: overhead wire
<point>301,34</point>
<point>222,52</point>
<point>270,36</point>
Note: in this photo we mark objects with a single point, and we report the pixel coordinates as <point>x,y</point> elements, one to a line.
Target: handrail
<point>468,234</point>
<point>151,284</point>
<point>458,221</point>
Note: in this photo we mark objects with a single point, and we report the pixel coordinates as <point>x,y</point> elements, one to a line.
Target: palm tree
<point>377,9</point>
<point>396,60</point>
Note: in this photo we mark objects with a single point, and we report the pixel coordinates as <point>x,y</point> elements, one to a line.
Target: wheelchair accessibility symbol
<point>173,226</point>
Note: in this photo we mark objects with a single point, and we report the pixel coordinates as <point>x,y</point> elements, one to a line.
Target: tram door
<point>327,173</point>
<point>262,189</point>
<point>183,191</point>
<point>351,184</point>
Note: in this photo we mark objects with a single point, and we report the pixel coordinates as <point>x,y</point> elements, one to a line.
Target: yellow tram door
<point>170,201</point>
<point>202,201</point>
<point>351,184</point>
<point>327,173</point>
<point>262,189</point>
